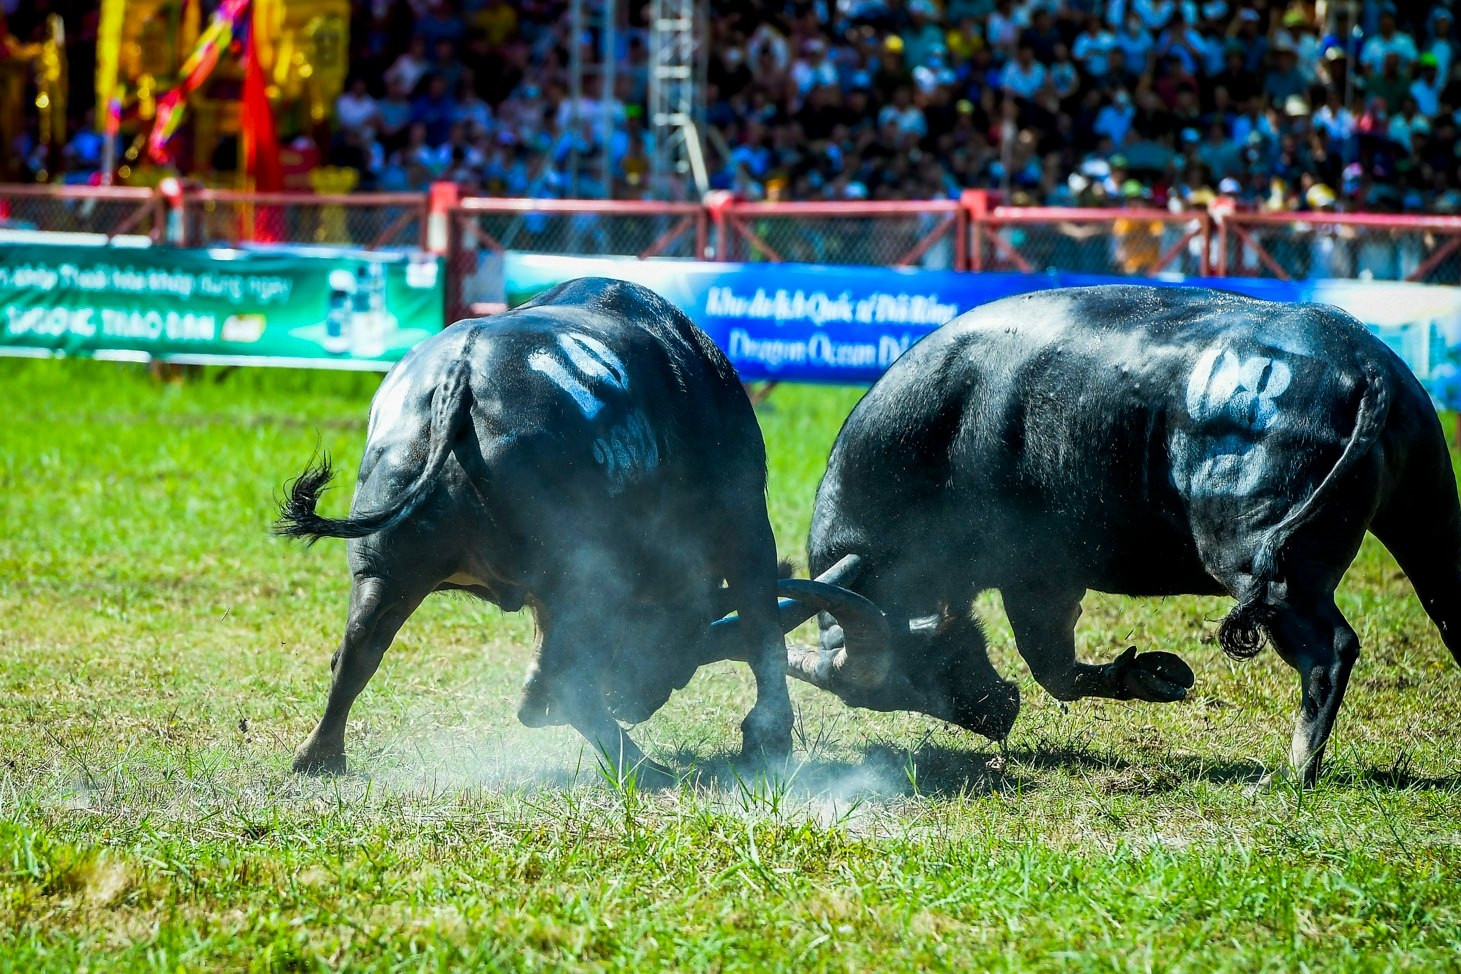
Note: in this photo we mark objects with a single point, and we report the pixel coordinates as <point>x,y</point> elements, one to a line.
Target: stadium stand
<point>1280,106</point>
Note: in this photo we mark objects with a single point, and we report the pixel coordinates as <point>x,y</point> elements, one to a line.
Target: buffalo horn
<point>865,626</point>
<point>862,659</point>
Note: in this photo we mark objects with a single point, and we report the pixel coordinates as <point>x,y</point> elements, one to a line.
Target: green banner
<point>315,308</point>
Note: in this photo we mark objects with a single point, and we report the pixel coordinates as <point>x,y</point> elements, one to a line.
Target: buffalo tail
<point>297,516</point>
<point>1242,632</point>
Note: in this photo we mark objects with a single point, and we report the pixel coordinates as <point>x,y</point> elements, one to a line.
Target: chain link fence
<point>595,232</point>
<point>922,235</point>
<point>371,221</point>
<point>1427,250</point>
<point>62,209</point>
<point>1122,243</point>
<point>930,235</point>
<point>484,229</point>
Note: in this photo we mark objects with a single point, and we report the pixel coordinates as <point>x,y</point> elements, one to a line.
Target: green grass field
<point>161,655</point>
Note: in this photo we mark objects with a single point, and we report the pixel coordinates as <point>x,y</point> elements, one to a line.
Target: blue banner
<point>846,325</point>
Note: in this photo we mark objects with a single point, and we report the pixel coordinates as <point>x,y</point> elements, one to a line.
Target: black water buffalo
<point>593,456</point>
<point>1136,440</point>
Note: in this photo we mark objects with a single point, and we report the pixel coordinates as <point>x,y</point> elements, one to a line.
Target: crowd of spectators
<point>1284,105</point>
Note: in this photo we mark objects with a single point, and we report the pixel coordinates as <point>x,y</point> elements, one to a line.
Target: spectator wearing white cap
<point>812,69</point>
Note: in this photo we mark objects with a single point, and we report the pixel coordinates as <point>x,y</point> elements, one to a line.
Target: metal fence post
<point>975,204</point>
<point>717,202</point>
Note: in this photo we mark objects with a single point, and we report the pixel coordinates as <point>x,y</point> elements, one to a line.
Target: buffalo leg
<point>1044,628</point>
<point>766,729</point>
<point>1322,646</point>
<point>377,610</point>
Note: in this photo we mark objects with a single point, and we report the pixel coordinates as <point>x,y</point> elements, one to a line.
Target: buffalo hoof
<point>306,762</point>
<point>770,756</point>
<point>1157,677</point>
<point>765,742</point>
<point>1274,782</point>
<point>653,776</point>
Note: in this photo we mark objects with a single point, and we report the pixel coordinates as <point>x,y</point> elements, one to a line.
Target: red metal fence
<point>929,234</point>
<point>480,230</point>
<point>1359,245</point>
<point>110,211</point>
<point>370,221</point>
<point>1135,242</point>
<point>966,234</point>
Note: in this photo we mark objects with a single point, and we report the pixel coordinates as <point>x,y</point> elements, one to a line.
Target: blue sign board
<point>838,324</point>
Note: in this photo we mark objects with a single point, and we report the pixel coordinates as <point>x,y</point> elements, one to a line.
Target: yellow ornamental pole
<point>108,53</point>
<point>51,86</point>
<point>329,180</point>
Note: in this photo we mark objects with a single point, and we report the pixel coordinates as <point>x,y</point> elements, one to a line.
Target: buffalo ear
<point>785,568</point>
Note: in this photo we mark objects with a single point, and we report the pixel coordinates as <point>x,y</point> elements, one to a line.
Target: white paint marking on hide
<point>1228,468</point>
<point>548,364</point>
<point>1243,392</point>
<point>386,406</point>
<point>627,452</point>
<point>593,358</point>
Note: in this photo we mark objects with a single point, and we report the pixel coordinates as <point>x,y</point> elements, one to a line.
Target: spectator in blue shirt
<point>434,110</point>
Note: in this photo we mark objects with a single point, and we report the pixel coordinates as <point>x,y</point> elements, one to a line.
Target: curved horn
<point>795,609</point>
<point>800,603</point>
<point>862,659</point>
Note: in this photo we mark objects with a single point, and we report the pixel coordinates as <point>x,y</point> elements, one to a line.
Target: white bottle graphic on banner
<point>369,318</point>
<point>339,317</point>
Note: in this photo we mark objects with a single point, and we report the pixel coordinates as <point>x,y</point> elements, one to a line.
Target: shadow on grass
<point>938,771</point>
<point>882,771</point>
<point>1395,778</point>
<point>1150,772</point>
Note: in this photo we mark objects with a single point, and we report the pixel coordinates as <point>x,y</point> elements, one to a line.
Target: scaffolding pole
<point>597,22</point>
<point>678,66</point>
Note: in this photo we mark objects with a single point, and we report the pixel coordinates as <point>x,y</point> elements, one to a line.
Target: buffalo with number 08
<point>1138,440</point>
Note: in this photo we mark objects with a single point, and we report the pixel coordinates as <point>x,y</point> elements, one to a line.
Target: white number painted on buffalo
<point>627,451</point>
<point>1239,397</point>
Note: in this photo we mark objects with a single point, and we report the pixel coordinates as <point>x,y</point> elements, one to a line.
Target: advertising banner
<point>818,323</point>
<point>323,309</point>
